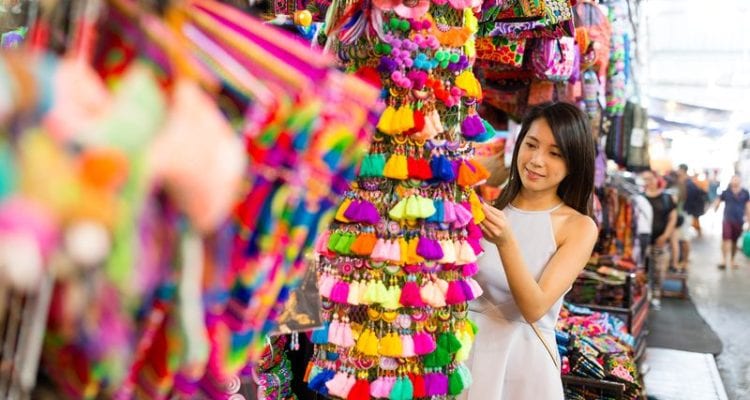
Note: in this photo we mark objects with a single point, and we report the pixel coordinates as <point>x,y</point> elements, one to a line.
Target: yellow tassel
<point>403,246</point>
<point>412,256</point>
<point>342,209</point>
<point>404,118</point>
<point>390,345</point>
<point>368,343</point>
<point>396,167</point>
<point>476,208</point>
<point>469,83</point>
<point>392,296</point>
<point>386,122</point>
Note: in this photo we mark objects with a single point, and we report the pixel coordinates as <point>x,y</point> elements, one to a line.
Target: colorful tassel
<point>340,292</point>
<point>380,251</point>
<point>367,343</point>
<point>429,249</point>
<point>419,121</point>
<point>413,256</point>
<point>395,249</point>
<point>404,118</point>
<point>472,229</point>
<point>355,293</point>
<point>449,252</point>
<point>325,285</point>
<point>360,390</point>
<point>476,208</point>
<point>448,342</point>
<point>321,243</point>
<point>417,382</point>
<point>318,383</point>
<point>381,293</point>
<point>396,167</point>
<point>320,336</point>
<point>372,166</point>
<point>391,300</point>
<point>432,295</point>
<point>369,293</point>
<point>439,215</point>
<point>342,210</point>
<point>454,295</point>
<point>437,359</point>
<point>442,169</point>
<point>407,346</point>
<point>476,245</point>
<point>398,212</point>
<point>333,241</point>
<point>469,269</point>
<point>341,384</point>
<point>476,290</point>
<point>449,215</point>
<point>382,386</point>
<point>472,127</point>
<point>419,168</point>
<point>410,296</point>
<point>464,253</point>
<point>455,384</point>
<point>386,121</point>
<point>436,384</point>
<point>463,216</point>
<point>424,343</point>
<point>364,244</point>
<point>466,341</point>
<point>390,345</point>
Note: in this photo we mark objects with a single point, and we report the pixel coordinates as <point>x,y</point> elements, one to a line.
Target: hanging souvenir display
<point>201,209</point>
<point>397,263</point>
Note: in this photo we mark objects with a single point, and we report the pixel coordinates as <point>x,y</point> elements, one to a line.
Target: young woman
<point>537,241</point>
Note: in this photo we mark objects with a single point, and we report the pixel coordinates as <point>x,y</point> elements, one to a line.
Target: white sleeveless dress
<point>508,361</point>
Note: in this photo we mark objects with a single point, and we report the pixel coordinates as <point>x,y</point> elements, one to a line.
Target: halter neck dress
<point>508,361</point>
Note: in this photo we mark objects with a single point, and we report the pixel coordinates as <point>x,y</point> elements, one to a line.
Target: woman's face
<point>540,162</point>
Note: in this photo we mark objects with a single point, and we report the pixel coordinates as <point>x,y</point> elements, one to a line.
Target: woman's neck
<point>535,201</point>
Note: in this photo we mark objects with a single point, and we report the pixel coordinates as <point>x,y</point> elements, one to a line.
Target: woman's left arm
<point>535,299</point>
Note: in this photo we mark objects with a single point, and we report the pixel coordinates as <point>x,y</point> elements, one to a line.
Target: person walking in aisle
<point>537,239</point>
<point>736,209</point>
<point>662,228</point>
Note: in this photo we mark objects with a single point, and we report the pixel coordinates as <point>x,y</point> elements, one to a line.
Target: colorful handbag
<point>554,59</point>
<point>502,50</point>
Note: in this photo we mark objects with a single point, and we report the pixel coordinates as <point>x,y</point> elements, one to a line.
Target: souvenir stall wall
<point>534,51</point>
<point>163,171</point>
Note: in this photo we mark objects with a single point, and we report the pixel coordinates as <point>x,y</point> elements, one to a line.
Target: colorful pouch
<point>501,49</point>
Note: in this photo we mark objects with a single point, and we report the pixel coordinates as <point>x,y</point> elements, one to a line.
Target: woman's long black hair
<point>570,127</point>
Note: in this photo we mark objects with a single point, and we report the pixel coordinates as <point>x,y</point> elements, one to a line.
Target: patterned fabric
<point>503,50</point>
<point>554,59</point>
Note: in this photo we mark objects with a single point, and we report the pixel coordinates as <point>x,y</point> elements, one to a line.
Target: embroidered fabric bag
<point>554,59</point>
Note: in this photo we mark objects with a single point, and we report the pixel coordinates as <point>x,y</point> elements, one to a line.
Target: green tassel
<point>455,384</point>
<point>397,391</point>
<point>333,240</point>
<point>378,165</point>
<point>437,359</point>
<point>449,342</point>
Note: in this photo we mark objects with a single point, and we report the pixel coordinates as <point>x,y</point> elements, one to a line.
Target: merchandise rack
<point>603,389</point>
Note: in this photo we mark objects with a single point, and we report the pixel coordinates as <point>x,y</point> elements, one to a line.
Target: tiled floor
<point>679,375</point>
<point>723,299</point>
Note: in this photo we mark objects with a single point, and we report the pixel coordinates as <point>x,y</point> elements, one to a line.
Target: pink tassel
<point>407,346</point>
<point>475,245</point>
<point>455,295</point>
<point>340,292</point>
<point>410,296</point>
<point>431,295</point>
<point>334,332</point>
<point>321,245</point>
<point>463,216</point>
<point>347,336</point>
<point>394,252</point>
<point>424,343</point>
<point>325,285</point>
<point>476,290</point>
<point>449,210</point>
<point>380,387</point>
<point>442,286</point>
<point>473,231</point>
<point>449,251</point>
<point>465,253</point>
<point>469,269</point>
<point>380,251</point>
<point>340,385</point>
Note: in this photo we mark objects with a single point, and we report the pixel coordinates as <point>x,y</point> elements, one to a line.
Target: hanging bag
<point>554,59</point>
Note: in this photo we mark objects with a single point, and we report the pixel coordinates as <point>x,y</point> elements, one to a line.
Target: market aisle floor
<point>723,299</point>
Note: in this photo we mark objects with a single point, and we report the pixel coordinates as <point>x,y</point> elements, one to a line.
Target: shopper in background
<point>537,241</point>
<point>736,210</point>
<point>662,229</point>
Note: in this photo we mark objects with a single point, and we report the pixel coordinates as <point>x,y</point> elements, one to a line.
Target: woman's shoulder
<point>573,223</point>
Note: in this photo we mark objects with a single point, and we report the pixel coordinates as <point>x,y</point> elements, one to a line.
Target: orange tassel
<point>364,244</point>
